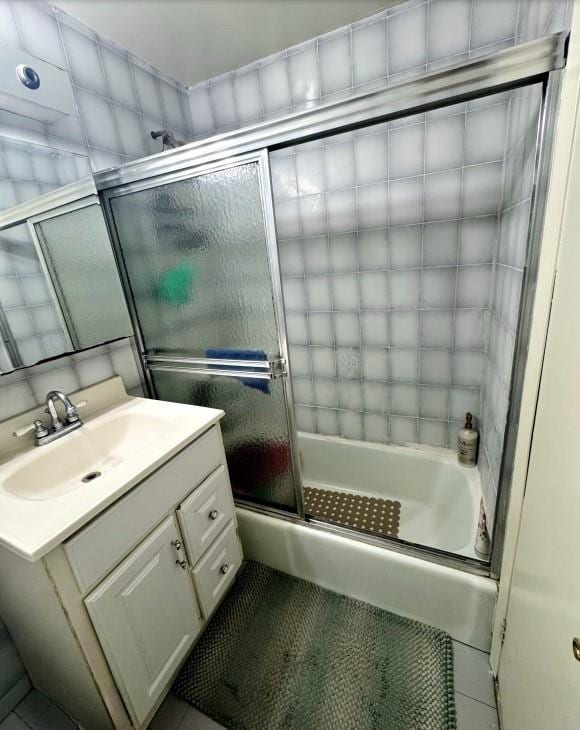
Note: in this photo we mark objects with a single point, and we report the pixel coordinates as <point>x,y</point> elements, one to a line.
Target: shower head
<point>168,138</point>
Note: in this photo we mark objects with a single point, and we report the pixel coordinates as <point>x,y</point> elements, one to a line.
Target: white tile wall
<point>119,100</point>
<point>387,283</point>
<point>23,389</point>
<point>29,313</point>
<point>402,41</point>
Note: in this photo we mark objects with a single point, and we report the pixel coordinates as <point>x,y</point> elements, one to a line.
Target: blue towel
<point>227,354</point>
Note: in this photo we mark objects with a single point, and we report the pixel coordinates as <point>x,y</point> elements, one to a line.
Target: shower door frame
<point>165,363</point>
<point>66,199</point>
<point>535,62</point>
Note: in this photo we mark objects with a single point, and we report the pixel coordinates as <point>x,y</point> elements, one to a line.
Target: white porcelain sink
<point>78,459</point>
<point>43,498</point>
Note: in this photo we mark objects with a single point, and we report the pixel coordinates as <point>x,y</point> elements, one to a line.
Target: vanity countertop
<point>32,526</point>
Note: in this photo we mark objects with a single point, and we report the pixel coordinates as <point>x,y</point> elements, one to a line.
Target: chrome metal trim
<point>465,564</point>
<point>84,202</point>
<point>279,312</point>
<point>139,363</point>
<point>137,344</point>
<point>186,173</point>
<point>9,342</point>
<point>210,361</point>
<point>270,510</point>
<point>56,294</point>
<point>488,74</point>
<point>48,202</point>
<point>239,374</point>
<point>543,166</point>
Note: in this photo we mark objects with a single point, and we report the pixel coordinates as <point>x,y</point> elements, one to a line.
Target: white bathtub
<point>440,503</point>
<point>450,599</point>
<point>439,498</point>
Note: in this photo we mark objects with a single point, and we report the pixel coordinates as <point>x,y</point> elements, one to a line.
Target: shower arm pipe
<point>517,66</point>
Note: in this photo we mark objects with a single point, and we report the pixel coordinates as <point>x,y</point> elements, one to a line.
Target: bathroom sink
<point>80,458</point>
<point>48,492</point>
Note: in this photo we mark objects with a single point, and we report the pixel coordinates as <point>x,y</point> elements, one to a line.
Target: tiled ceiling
<point>193,40</point>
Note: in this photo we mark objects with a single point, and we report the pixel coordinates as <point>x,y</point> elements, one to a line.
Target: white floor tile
<point>176,714</point>
<point>474,715</point>
<point>196,720</point>
<point>13,722</point>
<point>472,673</point>
<point>32,707</point>
<point>170,714</point>
<point>54,719</point>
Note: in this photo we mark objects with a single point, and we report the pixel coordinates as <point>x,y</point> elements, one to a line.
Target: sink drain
<point>90,476</point>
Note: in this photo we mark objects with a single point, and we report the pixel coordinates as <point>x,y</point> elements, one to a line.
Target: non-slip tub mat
<point>370,514</point>
<point>282,653</point>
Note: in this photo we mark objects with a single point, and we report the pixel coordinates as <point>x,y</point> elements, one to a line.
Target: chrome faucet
<point>57,428</point>
<point>70,411</point>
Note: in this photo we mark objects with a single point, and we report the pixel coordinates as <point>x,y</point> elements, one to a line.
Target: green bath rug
<point>282,653</point>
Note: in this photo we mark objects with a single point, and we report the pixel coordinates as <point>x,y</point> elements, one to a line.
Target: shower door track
<point>535,62</point>
<point>521,65</point>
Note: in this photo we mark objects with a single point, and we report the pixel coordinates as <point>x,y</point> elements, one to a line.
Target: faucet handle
<point>38,427</point>
<point>72,415</point>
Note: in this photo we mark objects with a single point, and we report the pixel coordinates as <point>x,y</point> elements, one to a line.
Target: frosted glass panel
<point>79,256</point>
<point>255,430</point>
<point>196,258</point>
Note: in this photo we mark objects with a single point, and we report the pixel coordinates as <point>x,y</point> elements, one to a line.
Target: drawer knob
<point>224,569</point>
<point>182,564</point>
<point>176,544</point>
<point>213,515</point>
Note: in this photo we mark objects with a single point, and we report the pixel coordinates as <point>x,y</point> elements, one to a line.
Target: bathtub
<point>440,503</point>
<point>439,498</point>
<point>450,599</point>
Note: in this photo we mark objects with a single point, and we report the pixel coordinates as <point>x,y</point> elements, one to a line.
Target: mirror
<point>59,287</point>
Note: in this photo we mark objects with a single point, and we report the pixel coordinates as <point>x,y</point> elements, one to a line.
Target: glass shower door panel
<point>196,258</point>
<point>255,430</point>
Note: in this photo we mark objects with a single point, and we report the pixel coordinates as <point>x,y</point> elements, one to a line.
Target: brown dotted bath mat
<point>371,514</point>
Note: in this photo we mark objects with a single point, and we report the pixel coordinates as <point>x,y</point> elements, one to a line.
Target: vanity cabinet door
<point>146,617</point>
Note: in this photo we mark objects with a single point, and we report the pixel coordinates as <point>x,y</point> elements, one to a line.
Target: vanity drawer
<point>97,548</point>
<point>216,570</point>
<point>205,513</point>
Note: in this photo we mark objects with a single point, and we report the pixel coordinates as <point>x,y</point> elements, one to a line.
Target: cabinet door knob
<point>181,563</point>
<point>176,544</point>
<point>224,569</point>
<point>213,515</point>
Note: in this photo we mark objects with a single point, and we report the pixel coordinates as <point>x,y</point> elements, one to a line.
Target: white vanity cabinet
<point>146,617</point>
<point>107,618</point>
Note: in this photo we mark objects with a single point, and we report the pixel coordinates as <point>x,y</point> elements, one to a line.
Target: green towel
<point>176,285</point>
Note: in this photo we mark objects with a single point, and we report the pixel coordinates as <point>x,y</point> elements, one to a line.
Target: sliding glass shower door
<point>199,260</point>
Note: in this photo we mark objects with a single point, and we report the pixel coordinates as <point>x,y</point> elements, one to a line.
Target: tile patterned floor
<point>474,691</point>
<point>474,698</point>
<point>37,712</point>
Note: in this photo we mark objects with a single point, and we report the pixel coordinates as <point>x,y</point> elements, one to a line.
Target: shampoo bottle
<point>467,443</point>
